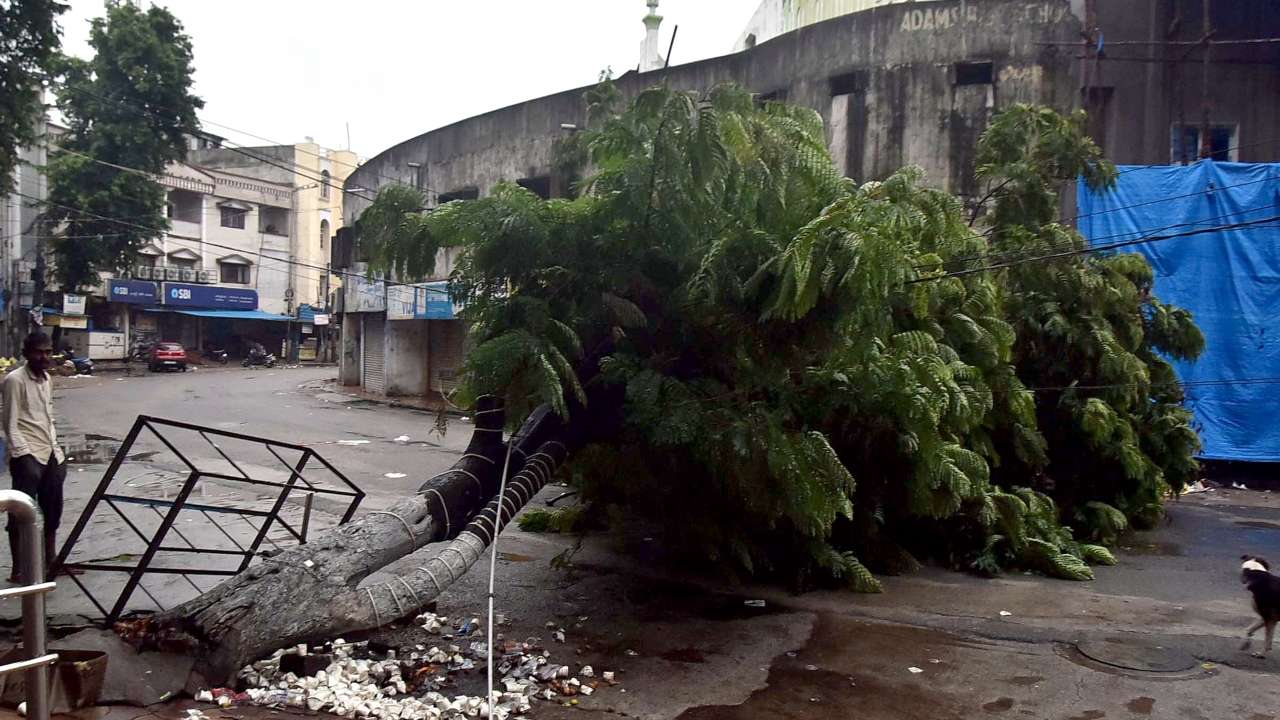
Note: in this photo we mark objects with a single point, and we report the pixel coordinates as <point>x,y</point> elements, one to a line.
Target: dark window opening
<point>779,95</point>
<point>233,217</point>
<point>233,273</point>
<point>1097,103</point>
<point>470,193</point>
<point>1186,143</point>
<point>974,73</point>
<point>751,40</point>
<point>324,184</point>
<point>850,83</point>
<point>540,186</point>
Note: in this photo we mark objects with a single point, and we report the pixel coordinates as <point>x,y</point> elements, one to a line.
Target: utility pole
<point>1206,107</point>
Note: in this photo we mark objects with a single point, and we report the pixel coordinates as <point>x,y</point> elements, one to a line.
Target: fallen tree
<point>314,591</point>
<point>763,331</point>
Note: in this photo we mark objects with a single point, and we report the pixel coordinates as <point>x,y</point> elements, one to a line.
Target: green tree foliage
<point>807,387</point>
<point>1089,332</point>
<point>129,109</point>
<point>29,43</point>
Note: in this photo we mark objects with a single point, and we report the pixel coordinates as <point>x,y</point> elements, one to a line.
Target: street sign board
<point>210,296</point>
<point>138,292</point>
<point>72,304</point>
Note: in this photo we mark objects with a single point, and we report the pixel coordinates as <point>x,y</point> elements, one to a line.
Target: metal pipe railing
<point>31,548</point>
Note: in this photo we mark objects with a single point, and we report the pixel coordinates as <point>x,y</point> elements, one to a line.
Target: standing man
<point>36,463</point>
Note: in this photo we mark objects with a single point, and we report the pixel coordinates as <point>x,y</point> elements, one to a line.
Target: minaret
<point>649,57</point>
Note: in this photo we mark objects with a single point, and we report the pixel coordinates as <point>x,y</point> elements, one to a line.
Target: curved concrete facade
<point>916,83</point>
<point>883,79</point>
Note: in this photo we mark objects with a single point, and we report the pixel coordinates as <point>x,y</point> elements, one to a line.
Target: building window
<point>233,217</point>
<point>468,193</point>
<point>540,186</point>
<point>779,95</point>
<point>324,233</point>
<point>182,263</point>
<point>974,73</point>
<point>1185,141</point>
<point>324,184</point>
<point>850,83</point>
<point>233,273</point>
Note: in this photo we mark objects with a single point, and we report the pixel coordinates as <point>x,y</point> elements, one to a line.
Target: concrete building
<point>219,277</point>
<point>909,83</point>
<point>315,176</point>
<point>19,211</point>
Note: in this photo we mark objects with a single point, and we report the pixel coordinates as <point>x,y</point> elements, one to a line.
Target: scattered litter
<point>632,653</point>
<point>934,661</point>
<point>402,439</point>
<point>1239,486</point>
<point>914,670</point>
<point>1208,665</point>
<point>813,700</point>
<point>353,442</point>
<point>1196,487</point>
<point>394,476</point>
<point>810,668</point>
<point>558,635</point>
<point>356,680</point>
<point>22,709</point>
<point>753,603</point>
<point>1005,613</point>
<point>309,564</point>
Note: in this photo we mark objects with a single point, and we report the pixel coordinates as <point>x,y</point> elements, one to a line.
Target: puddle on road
<point>1154,548</point>
<point>809,683</point>
<point>1261,524</point>
<point>92,450</point>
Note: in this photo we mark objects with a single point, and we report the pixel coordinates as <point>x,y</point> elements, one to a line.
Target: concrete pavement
<point>1156,636</point>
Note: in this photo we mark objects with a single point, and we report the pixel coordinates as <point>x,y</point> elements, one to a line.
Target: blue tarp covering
<point>232,314</point>
<point>1229,279</point>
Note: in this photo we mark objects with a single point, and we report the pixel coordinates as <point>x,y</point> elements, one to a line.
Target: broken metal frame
<point>155,543</point>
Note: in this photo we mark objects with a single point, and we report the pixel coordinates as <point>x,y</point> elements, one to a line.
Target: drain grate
<point>1133,654</point>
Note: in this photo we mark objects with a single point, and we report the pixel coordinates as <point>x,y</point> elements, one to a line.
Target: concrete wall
<point>909,110</point>
<point>407,365</point>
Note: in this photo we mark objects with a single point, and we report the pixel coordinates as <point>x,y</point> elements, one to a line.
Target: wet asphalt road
<point>290,405</point>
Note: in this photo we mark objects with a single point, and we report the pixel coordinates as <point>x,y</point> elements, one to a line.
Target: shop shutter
<point>447,343</point>
<point>373,368</point>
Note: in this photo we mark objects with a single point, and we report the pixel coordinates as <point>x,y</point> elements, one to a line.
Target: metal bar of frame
<point>98,493</point>
<point>155,543</point>
<point>144,563</point>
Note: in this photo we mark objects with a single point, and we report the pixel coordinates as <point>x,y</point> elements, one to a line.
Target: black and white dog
<point>1256,575</point>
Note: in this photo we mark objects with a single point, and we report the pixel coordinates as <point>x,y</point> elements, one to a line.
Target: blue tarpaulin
<point>1228,278</point>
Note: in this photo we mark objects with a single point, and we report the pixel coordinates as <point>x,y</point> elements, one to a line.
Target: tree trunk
<point>313,592</point>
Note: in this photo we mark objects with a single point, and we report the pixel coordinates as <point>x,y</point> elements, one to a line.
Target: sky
<point>393,69</point>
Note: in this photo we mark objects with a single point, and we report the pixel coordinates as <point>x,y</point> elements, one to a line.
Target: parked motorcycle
<point>215,354</point>
<point>83,365</point>
<point>259,357</point>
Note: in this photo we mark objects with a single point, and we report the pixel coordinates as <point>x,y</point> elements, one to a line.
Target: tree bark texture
<point>313,592</point>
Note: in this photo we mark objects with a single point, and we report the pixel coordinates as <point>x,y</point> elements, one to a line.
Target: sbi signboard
<point>139,292</point>
<point>209,296</point>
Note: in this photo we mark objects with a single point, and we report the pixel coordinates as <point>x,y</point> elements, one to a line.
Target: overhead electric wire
<point>246,150</point>
<point>1094,249</point>
<point>1046,246</point>
<point>299,263</point>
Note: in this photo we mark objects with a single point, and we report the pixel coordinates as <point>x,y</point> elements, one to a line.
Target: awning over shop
<point>230,314</point>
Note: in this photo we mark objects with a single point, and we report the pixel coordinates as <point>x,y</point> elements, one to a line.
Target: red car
<point>168,356</point>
